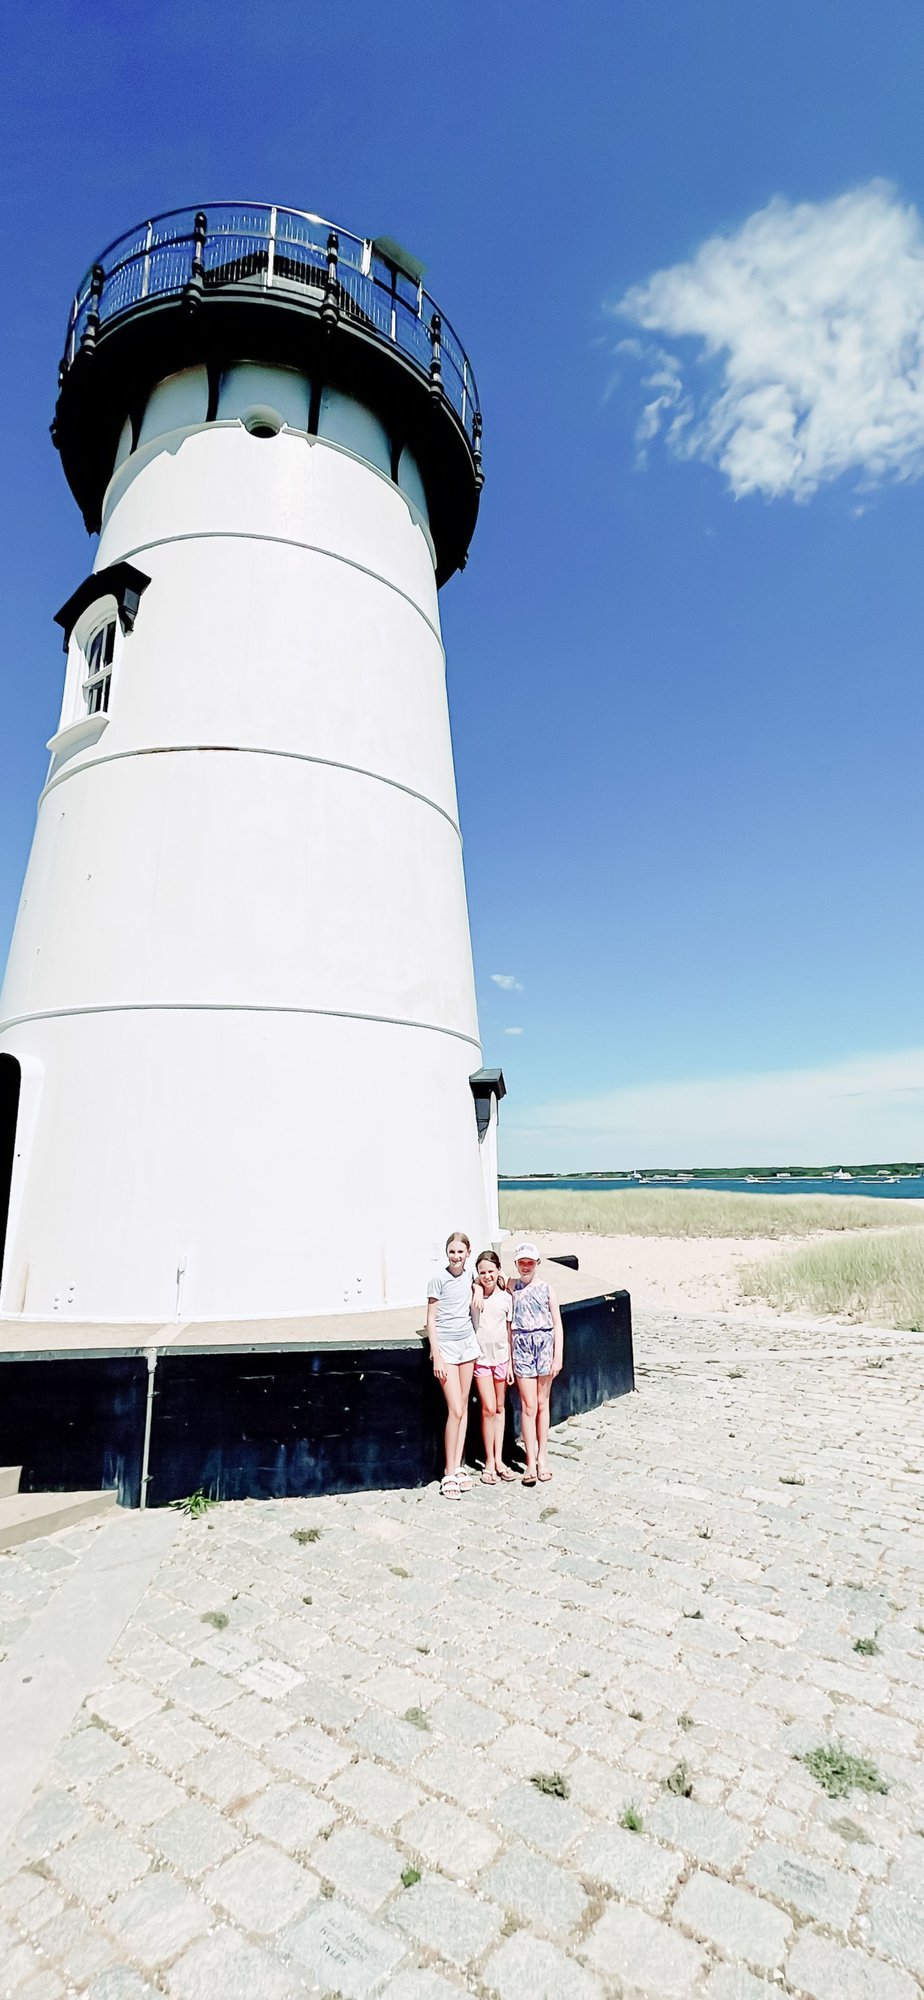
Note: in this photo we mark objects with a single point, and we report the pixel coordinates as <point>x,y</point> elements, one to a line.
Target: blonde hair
<point>458,1236</point>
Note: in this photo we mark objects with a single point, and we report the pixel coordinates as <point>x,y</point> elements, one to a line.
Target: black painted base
<point>270,1423</point>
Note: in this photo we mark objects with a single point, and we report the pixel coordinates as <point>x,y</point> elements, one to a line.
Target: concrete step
<point>9,1480</point>
<point>23,1516</point>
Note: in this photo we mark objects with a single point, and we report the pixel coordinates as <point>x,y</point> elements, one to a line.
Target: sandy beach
<point>680,1274</point>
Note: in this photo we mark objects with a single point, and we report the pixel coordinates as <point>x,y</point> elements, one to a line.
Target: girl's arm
<point>559,1332</point>
<point>511,1378</point>
<point>439,1366</point>
<point>477,1303</point>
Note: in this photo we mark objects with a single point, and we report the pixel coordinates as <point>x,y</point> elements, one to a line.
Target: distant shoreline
<point>904,1181</point>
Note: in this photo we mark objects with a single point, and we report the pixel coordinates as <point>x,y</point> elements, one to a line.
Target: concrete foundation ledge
<point>263,1418</point>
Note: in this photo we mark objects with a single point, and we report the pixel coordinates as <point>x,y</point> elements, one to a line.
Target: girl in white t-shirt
<point>491,1311</point>
<point>453,1352</point>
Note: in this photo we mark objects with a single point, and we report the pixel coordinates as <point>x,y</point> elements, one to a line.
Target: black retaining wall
<point>270,1422</point>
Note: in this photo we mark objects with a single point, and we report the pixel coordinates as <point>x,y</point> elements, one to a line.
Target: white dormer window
<point>98,654</point>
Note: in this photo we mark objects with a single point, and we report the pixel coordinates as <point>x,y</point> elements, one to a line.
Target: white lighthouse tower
<point>240,1071</point>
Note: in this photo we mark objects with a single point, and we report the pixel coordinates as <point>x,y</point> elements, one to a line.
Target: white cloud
<point>513,1031</point>
<point>865,1108</point>
<point>809,321</point>
<point>507,981</point>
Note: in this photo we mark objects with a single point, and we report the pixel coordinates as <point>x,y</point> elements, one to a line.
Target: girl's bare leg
<point>485,1385</point>
<point>500,1397</point>
<point>464,1371</point>
<point>544,1388</point>
<point>527,1387</point>
<point>456,1405</point>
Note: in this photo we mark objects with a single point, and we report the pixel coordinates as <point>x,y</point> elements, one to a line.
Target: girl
<point>537,1344</point>
<point>491,1310</point>
<point>453,1351</point>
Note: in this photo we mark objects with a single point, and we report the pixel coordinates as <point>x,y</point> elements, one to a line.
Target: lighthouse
<point>240,1067</point>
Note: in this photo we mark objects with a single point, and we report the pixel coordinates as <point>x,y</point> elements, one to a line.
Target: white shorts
<point>458,1347</point>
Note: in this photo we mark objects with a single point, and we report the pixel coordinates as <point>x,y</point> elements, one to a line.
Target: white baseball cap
<point>527,1251</point>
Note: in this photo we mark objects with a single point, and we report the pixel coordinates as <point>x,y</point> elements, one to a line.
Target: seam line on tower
<point>247,750</point>
<point>230,1007</point>
<point>287,542</point>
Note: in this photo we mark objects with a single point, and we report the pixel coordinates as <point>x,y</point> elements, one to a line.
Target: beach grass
<point>700,1212</point>
<point>879,1279</point>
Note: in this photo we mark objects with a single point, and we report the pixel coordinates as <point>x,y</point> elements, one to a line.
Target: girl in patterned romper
<point>537,1345</point>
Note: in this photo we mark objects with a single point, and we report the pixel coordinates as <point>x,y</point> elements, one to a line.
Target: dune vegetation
<point>701,1212</point>
<point>878,1279</point>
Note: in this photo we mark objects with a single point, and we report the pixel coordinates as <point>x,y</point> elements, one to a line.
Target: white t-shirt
<point>492,1327</point>
<point>453,1304</point>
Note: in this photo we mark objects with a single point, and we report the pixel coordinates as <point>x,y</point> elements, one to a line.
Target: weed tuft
<point>409,1876</point>
<point>849,1831</point>
<point>397,1570</point>
<point>680,1781</point>
<point>553,1783</point>
<point>867,1647</point>
<point>547,1512</point>
<point>305,1535</point>
<point>631,1819</point>
<point>684,1721</point>
<point>418,1716</point>
<point>217,1618</point>
<point>193,1504</point>
<point>838,1771</point>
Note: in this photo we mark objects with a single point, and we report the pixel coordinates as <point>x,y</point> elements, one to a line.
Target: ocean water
<point>909,1188</point>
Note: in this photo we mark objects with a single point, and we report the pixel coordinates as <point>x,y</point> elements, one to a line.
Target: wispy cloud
<point>513,1031</point>
<point>863,1108</point>
<point>809,358</point>
<point>507,981</point>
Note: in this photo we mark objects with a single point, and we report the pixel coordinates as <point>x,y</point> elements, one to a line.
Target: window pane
<point>109,636</point>
<point>93,652</point>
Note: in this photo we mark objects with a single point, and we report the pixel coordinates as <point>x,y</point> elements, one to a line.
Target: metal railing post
<point>146,266</point>
<point>330,308</point>
<point>476,449</point>
<point>88,341</point>
<point>436,364</point>
<point>195,285</point>
<point>271,252</point>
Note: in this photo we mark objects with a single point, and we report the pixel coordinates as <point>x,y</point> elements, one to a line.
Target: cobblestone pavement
<point>310,1767</point>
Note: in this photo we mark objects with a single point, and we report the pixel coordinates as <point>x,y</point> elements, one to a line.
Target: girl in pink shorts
<point>491,1311</point>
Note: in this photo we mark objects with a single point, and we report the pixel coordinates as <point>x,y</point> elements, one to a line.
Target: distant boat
<point>842,1175</point>
<point>783,1177</point>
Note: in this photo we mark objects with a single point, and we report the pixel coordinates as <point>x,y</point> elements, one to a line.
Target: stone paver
<point>644,1954</point>
<point>337,1796</point>
<point>529,1965</point>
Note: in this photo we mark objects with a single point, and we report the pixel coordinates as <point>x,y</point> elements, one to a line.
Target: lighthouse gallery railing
<point>266,247</point>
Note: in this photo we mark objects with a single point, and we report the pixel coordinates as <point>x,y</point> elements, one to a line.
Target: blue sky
<point>685,658</point>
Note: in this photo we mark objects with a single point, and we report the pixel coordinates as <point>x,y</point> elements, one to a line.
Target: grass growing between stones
<point>304,1535</point>
<point>631,1820</point>
<point>879,1279</point>
<point>680,1781</point>
<point>838,1771</point>
<point>417,1716</point>
<point>193,1504</point>
<point>866,1646</point>
<point>695,1212</point>
<point>553,1783</point>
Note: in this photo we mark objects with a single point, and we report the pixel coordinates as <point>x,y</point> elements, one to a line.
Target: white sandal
<point>449,1486</point>
<point>465,1484</point>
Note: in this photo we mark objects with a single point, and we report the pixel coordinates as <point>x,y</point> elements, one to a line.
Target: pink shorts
<point>496,1368</point>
